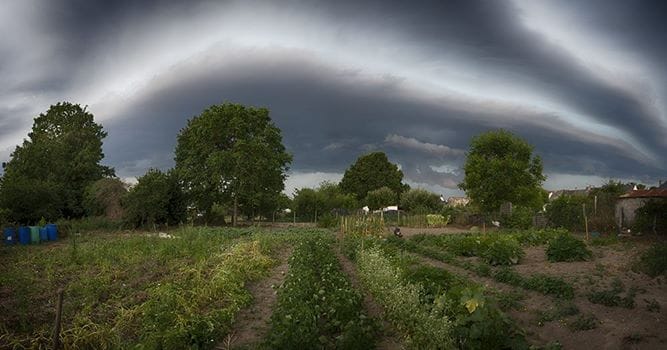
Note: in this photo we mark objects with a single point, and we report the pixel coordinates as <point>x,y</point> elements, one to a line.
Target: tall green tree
<point>500,167</point>
<point>370,172</point>
<point>47,175</point>
<point>232,155</point>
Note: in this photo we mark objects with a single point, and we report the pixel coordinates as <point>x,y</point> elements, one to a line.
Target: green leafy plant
<point>317,306</point>
<point>584,322</point>
<point>612,297</point>
<point>653,261</point>
<point>567,248</point>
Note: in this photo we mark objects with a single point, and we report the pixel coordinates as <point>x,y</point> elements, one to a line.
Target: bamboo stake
<point>585,219</point>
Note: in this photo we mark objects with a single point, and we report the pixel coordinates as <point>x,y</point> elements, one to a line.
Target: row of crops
<point>185,290</point>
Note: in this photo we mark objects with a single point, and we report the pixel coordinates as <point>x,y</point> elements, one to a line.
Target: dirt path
<point>253,323</point>
<point>388,339</point>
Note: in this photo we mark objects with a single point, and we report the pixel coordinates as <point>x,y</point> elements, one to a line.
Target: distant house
<point>457,201</point>
<point>631,201</point>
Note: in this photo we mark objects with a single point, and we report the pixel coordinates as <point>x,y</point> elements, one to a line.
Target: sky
<point>583,81</point>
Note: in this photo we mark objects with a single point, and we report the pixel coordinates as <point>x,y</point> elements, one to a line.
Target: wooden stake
<point>585,219</point>
<point>56,329</point>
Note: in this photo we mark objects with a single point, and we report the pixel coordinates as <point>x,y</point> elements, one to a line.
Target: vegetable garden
<point>499,290</point>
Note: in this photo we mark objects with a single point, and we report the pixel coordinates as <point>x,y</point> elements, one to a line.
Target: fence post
<point>583,205</point>
<point>56,329</point>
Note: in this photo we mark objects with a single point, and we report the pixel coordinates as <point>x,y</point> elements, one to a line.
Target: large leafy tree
<point>47,175</point>
<point>232,155</point>
<point>500,167</point>
<point>370,172</point>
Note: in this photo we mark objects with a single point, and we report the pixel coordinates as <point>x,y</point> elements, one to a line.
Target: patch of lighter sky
<point>298,179</point>
<point>620,67</point>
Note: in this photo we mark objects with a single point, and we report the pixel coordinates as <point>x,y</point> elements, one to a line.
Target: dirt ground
<point>252,323</point>
<point>617,327</point>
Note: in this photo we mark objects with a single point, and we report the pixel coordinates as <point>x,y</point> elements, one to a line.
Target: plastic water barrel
<point>52,231</point>
<point>43,234</point>
<point>9,235</point>
<point>34,234</point>
<point>24,235</point>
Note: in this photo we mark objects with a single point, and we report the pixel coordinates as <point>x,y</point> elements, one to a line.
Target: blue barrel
<point>52,231</point>
<point>43,235</point>
<point>10,237</point>
<point>24,235</point>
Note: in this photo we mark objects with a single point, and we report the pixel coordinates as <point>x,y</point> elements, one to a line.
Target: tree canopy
<point>47,175</point>
<point>381,197</point>
<point>233,155</point>
<point>370,172</point>
<point>322,200</point>
<point>500,167</point>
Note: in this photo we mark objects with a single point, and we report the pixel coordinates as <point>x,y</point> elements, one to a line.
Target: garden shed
<point>631,201</point>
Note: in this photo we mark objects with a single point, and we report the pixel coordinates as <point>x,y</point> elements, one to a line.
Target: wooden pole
<point>595,205</point>
<point>585,219</point>
<point>56,329</point>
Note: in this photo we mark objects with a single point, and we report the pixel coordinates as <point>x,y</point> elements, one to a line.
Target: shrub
<point>436,220</point>
<point>521,218</point>
<point>550,285</point>
<point>501,250</point>
<point>566,212</point>
<point>653,261</point>
<point>156,199</point>
<point>567,248</point>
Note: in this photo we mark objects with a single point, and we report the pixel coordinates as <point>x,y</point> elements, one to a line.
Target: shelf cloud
<point>583,81</point>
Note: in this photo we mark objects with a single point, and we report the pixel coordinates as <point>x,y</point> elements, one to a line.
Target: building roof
<point>652,193</point>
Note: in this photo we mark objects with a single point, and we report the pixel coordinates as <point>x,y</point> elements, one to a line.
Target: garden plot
<point>610,306</point>
<point>133,290</point>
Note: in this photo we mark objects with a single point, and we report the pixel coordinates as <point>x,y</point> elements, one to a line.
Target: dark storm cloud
<point>329,118</point>
<point>448,71</point>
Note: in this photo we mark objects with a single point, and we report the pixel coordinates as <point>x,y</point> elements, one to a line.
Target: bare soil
<point>617,327</point>
<point>253,323</point>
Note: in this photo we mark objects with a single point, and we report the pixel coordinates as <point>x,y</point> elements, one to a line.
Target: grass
<point>125,290</point>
